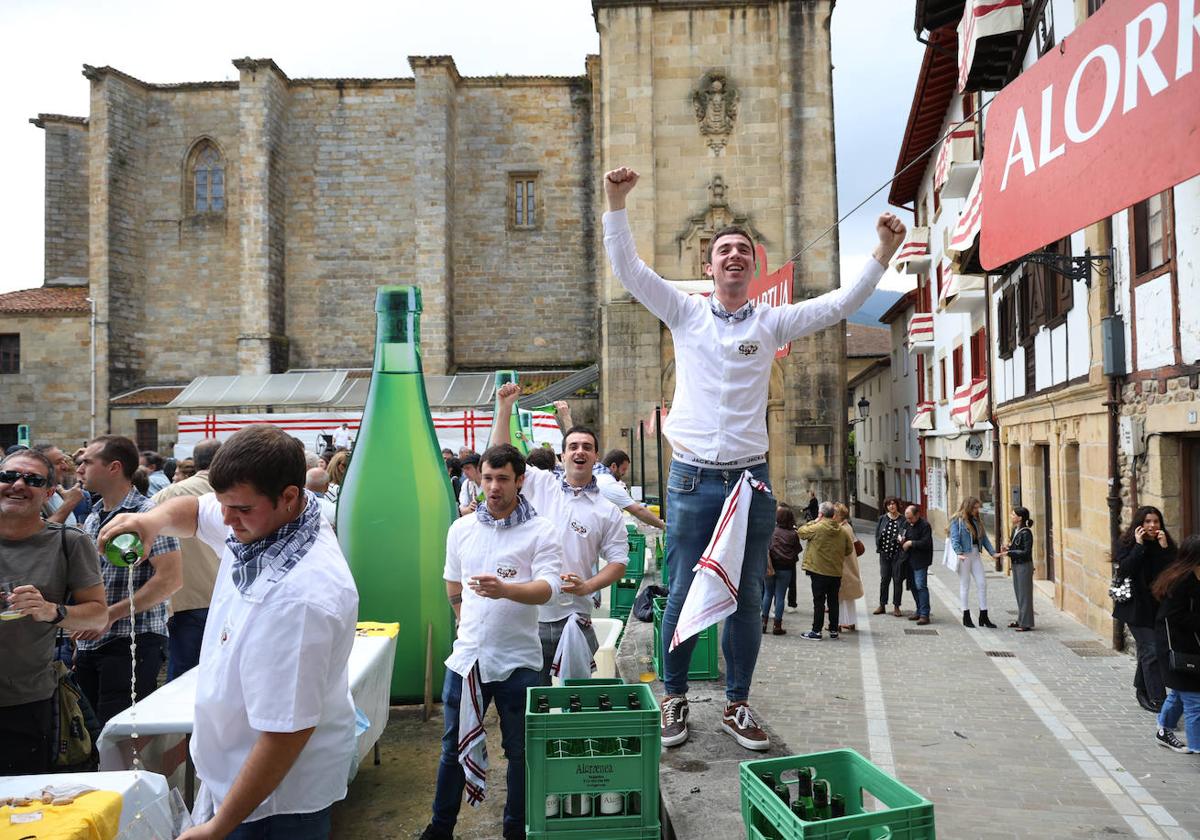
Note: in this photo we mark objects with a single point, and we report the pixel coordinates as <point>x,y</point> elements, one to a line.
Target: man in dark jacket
<point>917,543</point>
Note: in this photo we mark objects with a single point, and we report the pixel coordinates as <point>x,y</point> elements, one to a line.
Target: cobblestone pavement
<point>1045,740</point>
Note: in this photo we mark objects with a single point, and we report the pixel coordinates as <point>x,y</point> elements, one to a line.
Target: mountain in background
<point>879,302</point>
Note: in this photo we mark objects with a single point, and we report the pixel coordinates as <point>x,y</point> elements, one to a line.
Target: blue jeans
<point>1185,704</point>
<point>920,579</point>
<point>314,826</point>
<point>183,645</point>
<point>695,497</point>
<point>776,588</point>
<point>509,695</point>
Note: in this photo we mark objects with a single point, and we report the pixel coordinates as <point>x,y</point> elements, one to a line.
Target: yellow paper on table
<point>377,628</point>
<point>95,815</point>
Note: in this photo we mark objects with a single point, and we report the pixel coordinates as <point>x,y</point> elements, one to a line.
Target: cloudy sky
<point>46,43</point>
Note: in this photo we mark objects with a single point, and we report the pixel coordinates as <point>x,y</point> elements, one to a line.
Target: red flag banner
<point>1104,120</point>
<point>774,288</point>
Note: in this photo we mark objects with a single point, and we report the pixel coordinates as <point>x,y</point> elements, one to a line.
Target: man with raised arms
<point>724,346</point>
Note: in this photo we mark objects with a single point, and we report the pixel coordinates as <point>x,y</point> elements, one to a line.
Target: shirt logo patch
<point>579,529</point>
<point>748,348</point>
<point>506,571</point>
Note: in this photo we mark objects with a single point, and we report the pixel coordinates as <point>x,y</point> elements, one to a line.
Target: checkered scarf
<point>522,514</point>
<point>570,489</point>
<point>278,551</point>
<point>724,314</point>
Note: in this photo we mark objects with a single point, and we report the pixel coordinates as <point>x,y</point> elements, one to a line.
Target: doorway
<point>1191,485</point>
<point>1046,512</point>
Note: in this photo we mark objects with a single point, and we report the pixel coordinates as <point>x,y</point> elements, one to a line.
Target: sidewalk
<point>1011,735</point>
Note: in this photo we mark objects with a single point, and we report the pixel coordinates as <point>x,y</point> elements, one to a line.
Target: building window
<point>942,377</point>
<point>523,196</point>
<point>1151,237</point>
<point>1093,6</point>
<point>979,355</point>
<point>958,367</point>
<point>1031,302</point>
<point>1006,317</point>
<point>895,424</point>
<point>1058,291</point>
<point>940,279</point>
<point>147,435</point>
<point>206,177</point>
<point>924,304</point>
<point>907,436</point>
<point>10,353</point>
<point>985,486</point>
<point>1044,33</point>
<point>905,355</point>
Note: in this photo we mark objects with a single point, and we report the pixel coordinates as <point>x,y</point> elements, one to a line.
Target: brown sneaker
<point>740,722</point>
<point>674,721</point>
<point>913,617</point>
<point>880,610</point>
<point>923,620</point>
<point>896,612</point>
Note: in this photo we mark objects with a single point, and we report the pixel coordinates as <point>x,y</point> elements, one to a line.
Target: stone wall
<point>66,240</point>
<point>1169,408</point>
<point>51,393</point>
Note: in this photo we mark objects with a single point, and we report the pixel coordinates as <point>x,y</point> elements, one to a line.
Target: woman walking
<point>891,559</point>
<point>1144,552</point>
<point>781,566</point>
<point>967,538</point>
<point>852,587</point>
<point>1178,590</point>
<point>1019,551</point>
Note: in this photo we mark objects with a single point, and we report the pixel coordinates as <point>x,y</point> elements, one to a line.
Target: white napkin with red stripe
<point>573,656</point>
<point>472,739</point>
<point>714,590</point>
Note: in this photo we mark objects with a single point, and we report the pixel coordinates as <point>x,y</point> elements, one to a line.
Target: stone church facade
<point>243,226</point>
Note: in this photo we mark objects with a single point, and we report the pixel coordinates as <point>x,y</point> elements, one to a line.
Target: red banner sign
<point>774,288</point>
<point>1104,120</point>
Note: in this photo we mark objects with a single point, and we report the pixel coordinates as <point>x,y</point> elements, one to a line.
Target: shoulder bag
<point>1178,661</point>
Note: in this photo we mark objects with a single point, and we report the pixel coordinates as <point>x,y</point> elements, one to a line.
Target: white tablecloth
<point>138,790</point>
<point>164,719</point>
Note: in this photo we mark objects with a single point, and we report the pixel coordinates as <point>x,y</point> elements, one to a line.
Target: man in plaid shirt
<point>102,661</point>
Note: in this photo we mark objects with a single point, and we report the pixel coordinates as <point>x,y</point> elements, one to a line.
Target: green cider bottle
<point>123,550</point>
<point>396,503</point>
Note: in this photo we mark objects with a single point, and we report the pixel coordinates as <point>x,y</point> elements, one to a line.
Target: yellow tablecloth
<point>377,628</point>
<point>93,816</point>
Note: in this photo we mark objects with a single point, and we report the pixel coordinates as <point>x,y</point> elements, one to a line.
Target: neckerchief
<point>724,314</point>
<point>522,514</point>
<point>279,551</point>
<point>570,489</point>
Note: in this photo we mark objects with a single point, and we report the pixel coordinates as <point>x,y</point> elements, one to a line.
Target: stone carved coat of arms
<point>716,105</point>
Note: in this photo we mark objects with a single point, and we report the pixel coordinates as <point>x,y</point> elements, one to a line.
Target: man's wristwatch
<point>60,613</point>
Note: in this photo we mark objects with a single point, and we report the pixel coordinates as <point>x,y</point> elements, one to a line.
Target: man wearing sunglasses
<point>43,563</point>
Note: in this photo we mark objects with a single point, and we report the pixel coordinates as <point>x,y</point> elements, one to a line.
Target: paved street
<point>1045,740</point>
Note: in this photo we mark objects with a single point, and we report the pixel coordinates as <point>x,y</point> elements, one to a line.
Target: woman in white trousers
<point>968,539</point>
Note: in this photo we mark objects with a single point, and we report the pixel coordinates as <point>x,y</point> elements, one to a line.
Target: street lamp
<point>864,411</point>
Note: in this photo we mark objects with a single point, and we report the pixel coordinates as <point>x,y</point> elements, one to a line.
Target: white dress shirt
<point>501,634</point>
<point>276,660</point>
<point>589,528</point>
<point>723,367</point>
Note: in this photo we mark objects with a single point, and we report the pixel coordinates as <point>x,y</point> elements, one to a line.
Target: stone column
<point>631,360</point>
<point>262,115</point>
<point>115,270</point>
<point>434,138</point>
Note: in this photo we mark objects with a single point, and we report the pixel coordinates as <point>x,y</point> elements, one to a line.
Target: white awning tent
<point>334,389</point>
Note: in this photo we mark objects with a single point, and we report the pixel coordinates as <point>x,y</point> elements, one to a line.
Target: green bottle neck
<point>398,342</point>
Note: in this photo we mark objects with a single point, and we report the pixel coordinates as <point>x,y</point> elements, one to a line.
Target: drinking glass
<point>6,590</point>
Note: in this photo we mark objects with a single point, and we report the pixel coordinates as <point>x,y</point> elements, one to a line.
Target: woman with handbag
<point>1143,552</point>
<point>967,538</point>
<point>852,587</point>
<point>1178,590</point>
<point>781,566</point>
<point>1019,550</point>
<point>892,571</point>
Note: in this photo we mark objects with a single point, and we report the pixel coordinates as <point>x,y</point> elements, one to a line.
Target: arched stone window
<point>206,179</point>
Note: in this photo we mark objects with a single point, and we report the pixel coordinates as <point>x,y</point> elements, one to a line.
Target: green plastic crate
<point>704,665</point>
<point>621,595</point>
<point>906,815</point>
<point>635,568</point>
<point>637,772</point>
<point>594,681</point>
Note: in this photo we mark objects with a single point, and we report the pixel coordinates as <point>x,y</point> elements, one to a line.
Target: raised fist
<point>617,184</point>
<point>891,233</point>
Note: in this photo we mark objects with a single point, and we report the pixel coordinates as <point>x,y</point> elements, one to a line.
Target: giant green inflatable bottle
<point>396,503</point>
